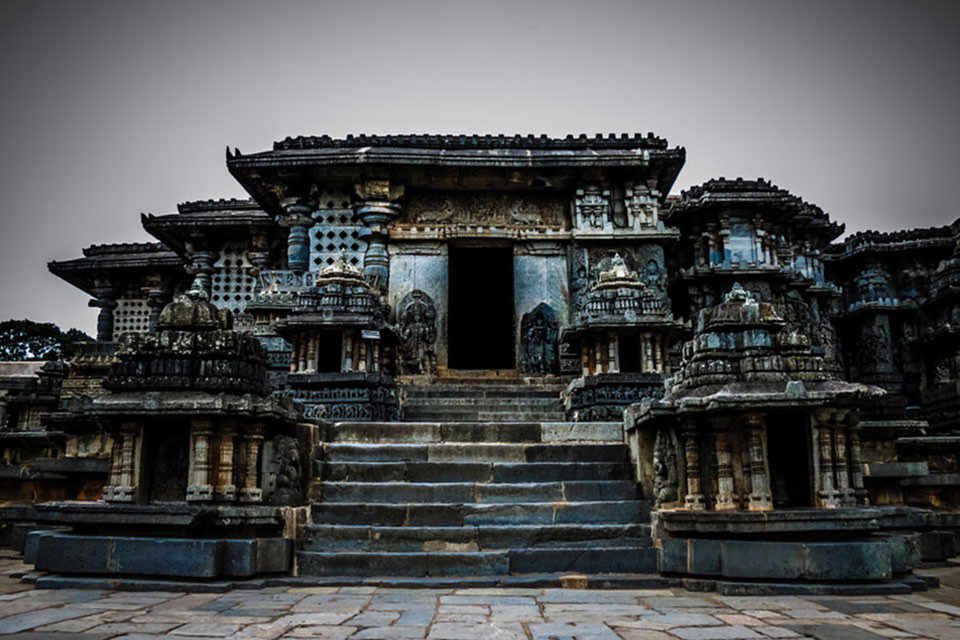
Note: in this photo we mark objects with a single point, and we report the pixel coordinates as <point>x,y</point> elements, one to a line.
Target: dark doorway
<point>481,324</point>
<point>169,462</point>
<point>630,354</point>
<point>329,345</point>
<point>788,450</point>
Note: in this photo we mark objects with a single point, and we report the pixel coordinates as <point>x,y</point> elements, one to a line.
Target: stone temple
<point>488,360</point>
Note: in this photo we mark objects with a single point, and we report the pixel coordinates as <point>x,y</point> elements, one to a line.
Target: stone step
<point>441,392</point>
<point>456,515</point>
<point>474,471</point>
<point>478,493</point>
<point>475,452</point>
<point>478,563</point>
<point>473,538</point>
<point>489,386</point>
<point>488,416</point>
<point>455,398</point>
<point>468,412</point>
<point>489,431</point>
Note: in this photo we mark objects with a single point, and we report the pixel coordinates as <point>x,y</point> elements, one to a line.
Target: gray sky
<point>113,108</point>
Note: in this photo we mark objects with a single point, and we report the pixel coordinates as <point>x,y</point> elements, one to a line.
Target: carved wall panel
<point>485,209</point>
<point>417,322</point>
<point>538,340</point>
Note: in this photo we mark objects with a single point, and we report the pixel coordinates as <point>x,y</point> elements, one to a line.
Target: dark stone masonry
<point>496,361</point>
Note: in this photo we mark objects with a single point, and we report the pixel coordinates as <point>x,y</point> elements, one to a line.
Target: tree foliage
<point>28,340</point>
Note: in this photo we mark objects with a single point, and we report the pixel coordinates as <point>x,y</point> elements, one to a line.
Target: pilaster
<point>200,488</point>
<point>761,498</point>
<point>694,499</point>
<point>726,499</point>
<point>252,439</point>
<point>226,489</point>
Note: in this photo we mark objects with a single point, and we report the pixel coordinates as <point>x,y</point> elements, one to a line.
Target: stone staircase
<point>494,399</point>
<point>476,498</point>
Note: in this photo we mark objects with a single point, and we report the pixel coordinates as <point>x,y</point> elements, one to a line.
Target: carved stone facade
<point>364,266</point>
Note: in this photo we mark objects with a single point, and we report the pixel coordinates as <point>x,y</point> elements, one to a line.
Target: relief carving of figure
<point>288,490</point>
<point>417,320</point>
<point>665,475</point>
<point>874,349</point>
<point>539,330</point>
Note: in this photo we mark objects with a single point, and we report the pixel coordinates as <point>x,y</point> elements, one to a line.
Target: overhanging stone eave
<point>81,272</point>
<point>352,164</point>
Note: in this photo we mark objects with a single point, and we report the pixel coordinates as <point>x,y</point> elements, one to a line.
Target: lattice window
<point>336,230</point>
<point>131,315</point>
<point>231,286</point>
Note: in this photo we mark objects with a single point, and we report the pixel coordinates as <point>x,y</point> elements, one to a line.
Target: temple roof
<point>219,205</point>
<point>759,196</point>
<point>475,141</point>
<point>107,261</point>
<point>485,162</point>
<point>175,229</point>
<point>885,241</point>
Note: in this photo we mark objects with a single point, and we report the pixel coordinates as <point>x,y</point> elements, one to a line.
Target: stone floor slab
<point>597,631</point>
<point>834,632</point>
<point>716,633</point>
<point>396,632</point>
<point>39,618</point>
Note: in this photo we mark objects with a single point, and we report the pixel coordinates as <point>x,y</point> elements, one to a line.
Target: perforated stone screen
<point>131,314</point>
<point>336,230</point>
<point>231,286</point>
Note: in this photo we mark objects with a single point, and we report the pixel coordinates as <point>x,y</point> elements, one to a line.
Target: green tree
<point>29,340</point>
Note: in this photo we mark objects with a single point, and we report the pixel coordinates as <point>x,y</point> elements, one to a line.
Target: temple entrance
<point>791,472</point>
<point>480,328</point>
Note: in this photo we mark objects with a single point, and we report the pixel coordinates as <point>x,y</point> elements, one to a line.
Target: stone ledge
<point>166,557</point>
<point>771,522</point>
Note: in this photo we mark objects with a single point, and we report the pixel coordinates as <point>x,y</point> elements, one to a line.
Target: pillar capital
<point>377,207</point>
<point>754,420</point>
<point>296,211</point>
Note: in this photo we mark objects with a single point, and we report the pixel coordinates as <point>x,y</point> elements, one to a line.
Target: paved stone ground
<point>338,613</point>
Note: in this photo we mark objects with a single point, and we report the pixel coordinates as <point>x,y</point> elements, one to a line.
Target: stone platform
<point>808,545</point>
<point>167,540</point>
<point>523,613</point>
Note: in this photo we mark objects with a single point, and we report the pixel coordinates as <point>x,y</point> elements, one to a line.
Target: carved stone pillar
<point>585,348</point>
<point>347,364</point>
<point>295,356</point>
<point>200,488</point>
<point>226,489</point>
<point>377,208</point>
<point>116,459</point>
<point>124,485</point>
<point>201,266</point>
<point>856,463</point>
<point>105,300</point>
<point>259,252</point>
<point>157,298</point>
<point>312,348</point>
<point>3,410</point>
<point>726,499</point>
<point>296,218</point>
<point>841,470</point>
<point>761,498</point>
<point>303,350</point>
<point>252,439</point>
<point>613,357</point>
<point>827,495</point>
<point>694,499</point>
